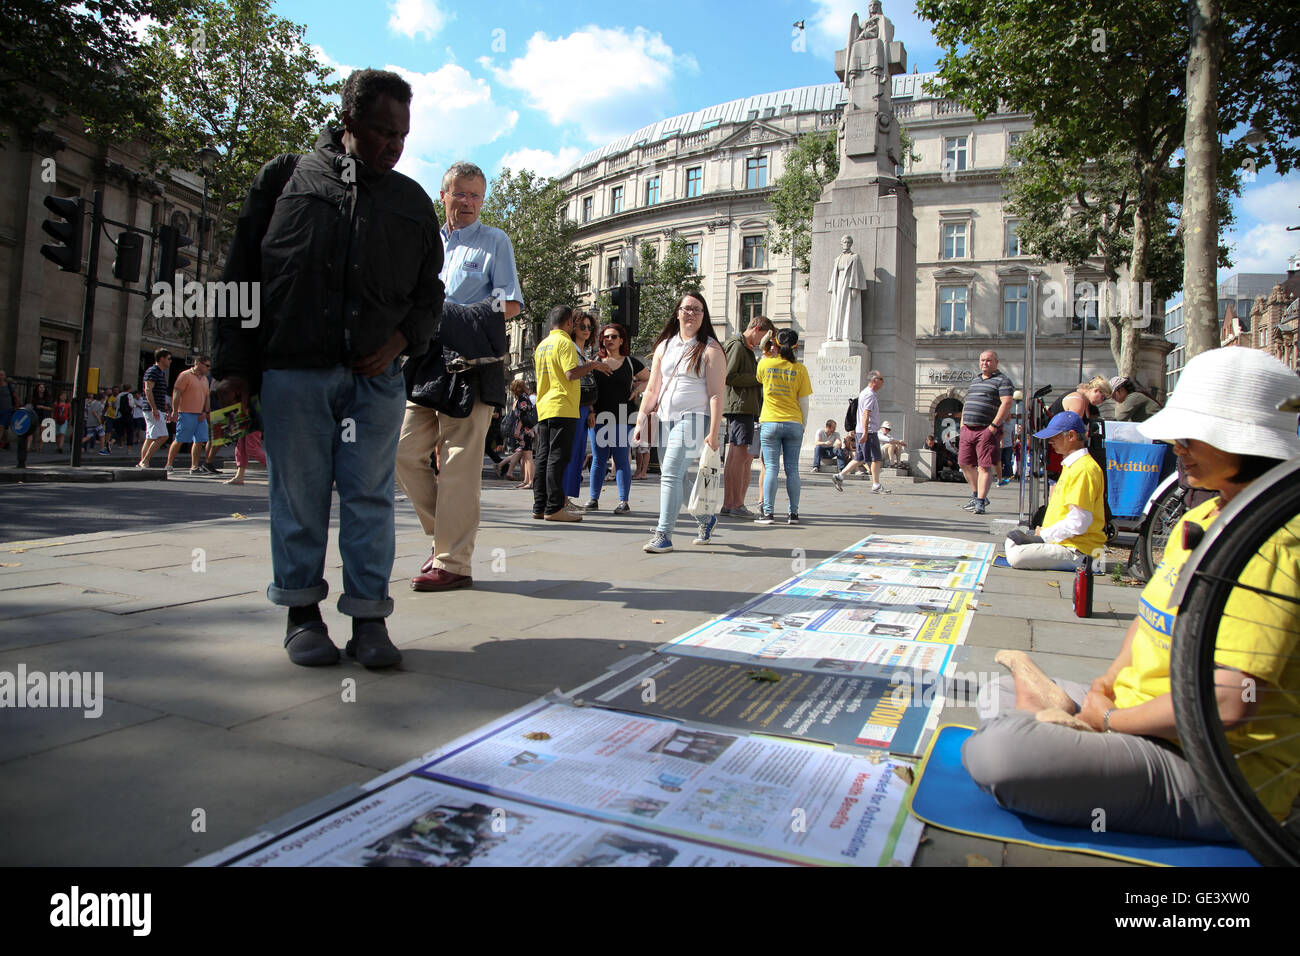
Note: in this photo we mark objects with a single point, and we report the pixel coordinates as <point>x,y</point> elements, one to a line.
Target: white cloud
<point>540,161</point>
<point>341,71</point>
<point>452,112</point>
<point>1264,212</point>
<point>605,81</point>
<point>413,18</point>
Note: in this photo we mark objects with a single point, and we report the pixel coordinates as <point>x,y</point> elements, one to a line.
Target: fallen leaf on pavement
<point>1054,584</point>
<point>10,564</point>
<point>238,517</point>
<point>656,620</point>
<point>974,859</point>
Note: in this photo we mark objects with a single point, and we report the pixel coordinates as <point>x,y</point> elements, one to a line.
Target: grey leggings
<point>1139,784</point>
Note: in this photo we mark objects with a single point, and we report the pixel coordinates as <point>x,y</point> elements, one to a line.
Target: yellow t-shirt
<point>1081,484</point>
<point>784,383</point>
<point>1257,634</point>
<point>557,396</point>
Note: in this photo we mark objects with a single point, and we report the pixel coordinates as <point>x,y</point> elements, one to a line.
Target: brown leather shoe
<point>563,514</point>
<point>428,564</point>
<point>436,579</point>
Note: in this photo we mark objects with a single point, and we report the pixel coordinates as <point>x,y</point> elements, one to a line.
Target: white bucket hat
<point>1228,398</point>
<point>884,425</point>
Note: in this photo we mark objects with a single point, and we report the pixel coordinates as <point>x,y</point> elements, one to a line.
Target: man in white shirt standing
<point>867,449</point>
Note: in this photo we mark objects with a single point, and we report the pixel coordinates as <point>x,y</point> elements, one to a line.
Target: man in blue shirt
<point>479,265</point>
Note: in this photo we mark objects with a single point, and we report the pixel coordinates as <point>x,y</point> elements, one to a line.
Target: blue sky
<point>523,83</point>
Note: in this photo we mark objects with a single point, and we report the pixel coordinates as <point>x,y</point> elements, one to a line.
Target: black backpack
<point>851,416</point>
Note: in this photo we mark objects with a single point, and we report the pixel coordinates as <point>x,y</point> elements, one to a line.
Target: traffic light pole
<point>87,328</point>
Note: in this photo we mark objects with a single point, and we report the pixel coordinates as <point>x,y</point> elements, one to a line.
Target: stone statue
<point>866,65</point>
<point>848,279</point>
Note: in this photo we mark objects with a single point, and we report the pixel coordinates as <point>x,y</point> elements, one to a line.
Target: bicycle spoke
<point>1264,746</point>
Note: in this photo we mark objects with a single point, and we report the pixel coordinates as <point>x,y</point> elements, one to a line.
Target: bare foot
<point>1054,715</point>
<point>1034,689</point>
<point>233,481</point>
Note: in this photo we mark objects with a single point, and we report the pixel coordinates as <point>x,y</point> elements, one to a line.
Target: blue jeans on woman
<point>572,482</point>
<point>679,447</point>
<point>328,428</point>
<point>611,438</point>
<point>781,438</point>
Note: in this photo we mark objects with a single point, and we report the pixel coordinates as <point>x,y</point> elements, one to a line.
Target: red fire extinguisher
<point>1083,589</point>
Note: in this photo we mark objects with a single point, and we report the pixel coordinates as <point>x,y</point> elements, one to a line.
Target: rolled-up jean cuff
<point>362,607</point>
<point>297,597</point>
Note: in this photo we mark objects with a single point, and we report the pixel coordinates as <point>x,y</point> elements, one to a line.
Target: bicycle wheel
<point>1154,535</point>
<point>1266,516</point>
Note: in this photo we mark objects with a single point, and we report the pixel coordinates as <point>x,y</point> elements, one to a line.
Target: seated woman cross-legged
<point>1063,751</point>
<point>1073,526</point>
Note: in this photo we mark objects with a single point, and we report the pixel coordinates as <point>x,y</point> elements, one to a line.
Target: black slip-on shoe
<point>371,647</point>
<point>309,645</point>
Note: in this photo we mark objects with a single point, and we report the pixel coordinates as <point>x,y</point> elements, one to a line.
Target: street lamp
<point>207,157</point>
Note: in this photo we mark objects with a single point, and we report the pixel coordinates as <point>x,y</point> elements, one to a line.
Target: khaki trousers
<point>459,441</point>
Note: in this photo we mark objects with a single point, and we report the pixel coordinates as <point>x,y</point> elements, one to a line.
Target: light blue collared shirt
<point>478,260</point>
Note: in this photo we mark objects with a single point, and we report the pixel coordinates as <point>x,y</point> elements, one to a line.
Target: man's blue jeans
<point>326,427</point>
<point>680,443</point>
<point>781,439</point>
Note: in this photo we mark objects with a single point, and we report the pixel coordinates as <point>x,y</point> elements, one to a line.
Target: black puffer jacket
<point>345,255</point>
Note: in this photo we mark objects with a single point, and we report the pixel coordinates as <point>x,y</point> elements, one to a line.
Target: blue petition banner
<point>1132,473</point>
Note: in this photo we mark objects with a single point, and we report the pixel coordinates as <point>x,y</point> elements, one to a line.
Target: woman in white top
<point>687,381</point>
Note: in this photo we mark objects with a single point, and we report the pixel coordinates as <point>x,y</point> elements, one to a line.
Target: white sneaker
<point>880,490</point>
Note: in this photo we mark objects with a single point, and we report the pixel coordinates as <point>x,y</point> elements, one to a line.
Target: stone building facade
<point>40,306</point>
<point>707,176</point>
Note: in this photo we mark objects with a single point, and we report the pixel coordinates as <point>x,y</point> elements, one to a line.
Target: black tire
<point>1210,577</point>
<point>1154,533</point>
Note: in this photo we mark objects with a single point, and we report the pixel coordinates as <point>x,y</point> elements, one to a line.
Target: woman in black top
<point>614,419</point>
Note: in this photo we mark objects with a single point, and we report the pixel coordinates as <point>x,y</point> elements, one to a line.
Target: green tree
<point>238,78</point>
<point>812,164</point>
<point>80,58</point>
<point>530,208</point>
<point>1108,82</point>
<point>663,282</point>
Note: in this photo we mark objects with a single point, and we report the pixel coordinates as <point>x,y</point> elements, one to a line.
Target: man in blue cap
<point>1074,525</point>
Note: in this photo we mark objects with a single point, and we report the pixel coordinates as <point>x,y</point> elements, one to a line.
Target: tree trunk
<point>1200,142</point>
<point>1138,268</point>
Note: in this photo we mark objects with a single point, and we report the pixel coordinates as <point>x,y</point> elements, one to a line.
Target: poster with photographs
<point>788,801</point>
<point>869,706</point>
<point>417,822</point>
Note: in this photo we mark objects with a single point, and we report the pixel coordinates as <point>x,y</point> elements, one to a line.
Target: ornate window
<point>756,172</point>
<point>754,252</point>
<point>952,308</point>
<point>694,181</point>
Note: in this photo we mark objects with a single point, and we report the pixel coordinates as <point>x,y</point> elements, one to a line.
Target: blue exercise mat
<point>946,796</point>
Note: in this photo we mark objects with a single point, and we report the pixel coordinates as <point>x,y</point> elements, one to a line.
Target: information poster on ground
<point>417,822</point>
<point>883,708</point>
<point>790,801</point>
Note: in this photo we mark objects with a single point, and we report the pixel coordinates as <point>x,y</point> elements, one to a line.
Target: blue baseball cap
<point>1064,422</point>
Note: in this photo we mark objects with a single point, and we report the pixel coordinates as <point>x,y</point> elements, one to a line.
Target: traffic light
<point>618,305</point>
<point>66,256</point>
<point>170,261</point>
<point>632,307</point>
<point>127,264</point>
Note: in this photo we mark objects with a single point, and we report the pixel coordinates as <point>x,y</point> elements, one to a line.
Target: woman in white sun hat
<point>1060,750</point>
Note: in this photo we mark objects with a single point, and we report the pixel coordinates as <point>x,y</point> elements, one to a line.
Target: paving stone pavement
<point>203,710</point>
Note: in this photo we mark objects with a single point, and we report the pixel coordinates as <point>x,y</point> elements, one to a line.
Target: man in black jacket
<point>347,254</point>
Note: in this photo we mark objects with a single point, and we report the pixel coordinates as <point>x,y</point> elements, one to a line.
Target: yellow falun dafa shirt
<point>557,396</point>
<point>1083,485</point>
<point>1258,634</point>
<point>784,383</point>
